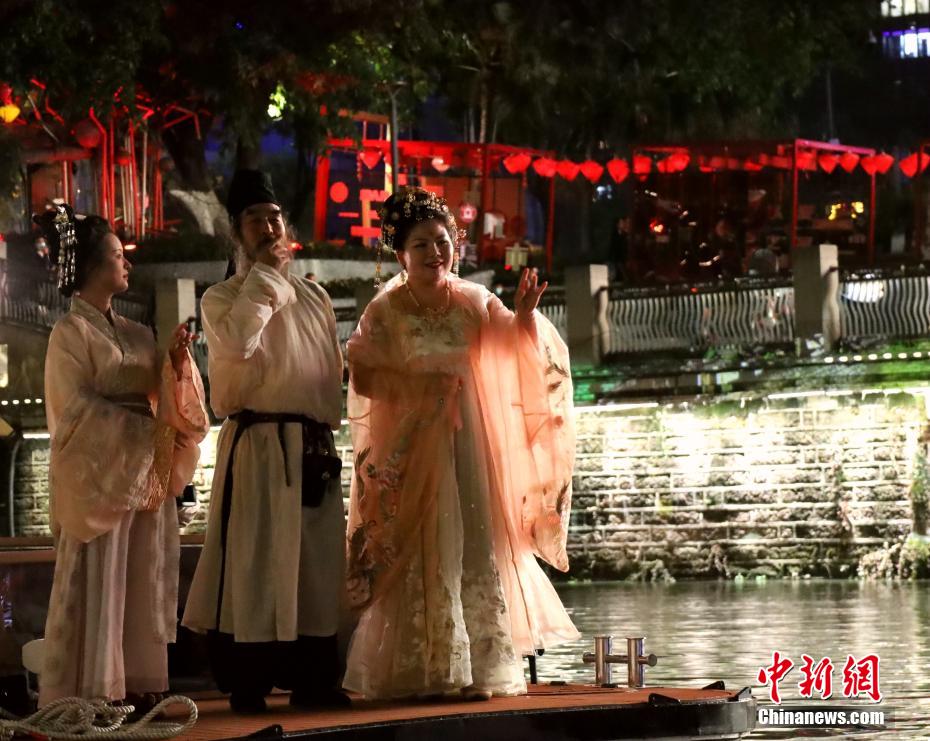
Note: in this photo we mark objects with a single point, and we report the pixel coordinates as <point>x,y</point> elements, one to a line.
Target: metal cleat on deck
<point>635,660</point>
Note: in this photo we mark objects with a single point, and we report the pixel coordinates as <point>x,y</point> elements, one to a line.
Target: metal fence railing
<point>892,307</point>
<point>694,317</point>
<point>36,302</point>
<point>758,312</point>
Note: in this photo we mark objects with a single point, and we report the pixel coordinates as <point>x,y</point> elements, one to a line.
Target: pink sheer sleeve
<point>524,382</point>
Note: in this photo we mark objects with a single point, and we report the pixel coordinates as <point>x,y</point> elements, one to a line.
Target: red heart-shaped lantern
<point>545,167</point>
<point>883,162</point>
<point>849,161</point>
<point>909,164</point>
<point>592,170</point>
<point>517,163</point>
<point>370,157</point>
<point>641,165</point>
<point>828,162</point>
<point>618,169</point>
<point>568,169</point>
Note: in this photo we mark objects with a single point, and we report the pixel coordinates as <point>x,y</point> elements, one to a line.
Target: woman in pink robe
<point>124,432</point>
<point>462,427</point>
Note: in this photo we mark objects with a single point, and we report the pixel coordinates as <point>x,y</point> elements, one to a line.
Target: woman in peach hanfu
<point>124,433</point>
<point>463,436</point>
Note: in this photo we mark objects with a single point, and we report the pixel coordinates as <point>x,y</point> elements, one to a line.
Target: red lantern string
<point>568,169</point>
<point>592,170</point>
<point>848,161</point>
<point>618,169</point>
<point>828,162</point>
<point>545,167</point>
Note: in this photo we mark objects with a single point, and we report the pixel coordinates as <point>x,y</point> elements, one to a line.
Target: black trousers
<point>308,665</point>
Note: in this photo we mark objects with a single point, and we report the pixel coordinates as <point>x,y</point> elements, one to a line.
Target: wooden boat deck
<point>547,712</point>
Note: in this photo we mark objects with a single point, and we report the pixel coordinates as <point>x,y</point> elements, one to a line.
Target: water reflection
<point>701,631</point>
<point>704,631</point>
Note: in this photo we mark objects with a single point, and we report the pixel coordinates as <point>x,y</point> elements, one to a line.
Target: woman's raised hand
<point>528,294</point>
<point>181,340</point>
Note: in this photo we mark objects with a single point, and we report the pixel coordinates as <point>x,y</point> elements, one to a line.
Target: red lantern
<point>828,162</point>
<point>704,164</point>
<point>618,169</point>
<point>545,167</point>
<point>517,163</point>
<point>868,164</point>
<point>641,165</point>
<point>807,161</point>
<point>87,134</point>
<point>678,162</point>
<point>883,162</point>
<point>909,164</point>
<point>439,164</point>
<point>849,161</point>
<point>568,169</point>
<point>370,158</point>
<point>663,166</point>
<point>592,170</point>
<point>123,158</point>
<point>467,212</point>
<point>750,166</point>
<point>783,163</point>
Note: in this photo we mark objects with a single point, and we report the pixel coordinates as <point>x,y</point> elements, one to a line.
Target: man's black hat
<point>247,188</point>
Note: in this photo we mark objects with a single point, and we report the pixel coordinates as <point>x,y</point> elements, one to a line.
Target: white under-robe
<point>272,348</point>
<point>113,606</point>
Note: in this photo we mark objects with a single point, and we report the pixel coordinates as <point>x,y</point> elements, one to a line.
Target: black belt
<point>319,466</point>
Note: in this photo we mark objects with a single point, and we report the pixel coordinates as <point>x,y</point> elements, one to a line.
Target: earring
<point>403,275</point>
<point>455,261</point>
<point>378,266</point>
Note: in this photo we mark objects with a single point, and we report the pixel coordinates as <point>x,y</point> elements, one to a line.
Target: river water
<point>705,631</point>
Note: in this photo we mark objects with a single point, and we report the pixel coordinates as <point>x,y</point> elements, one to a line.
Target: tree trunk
<point>187,152</point>
<point>300,215</point>
<point>248,154</point>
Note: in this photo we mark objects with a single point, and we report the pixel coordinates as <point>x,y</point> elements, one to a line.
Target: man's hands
<point>274,253</point>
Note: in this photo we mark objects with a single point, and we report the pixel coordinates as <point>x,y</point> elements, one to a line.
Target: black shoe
<point>247,703</point>
<point>314,699</point>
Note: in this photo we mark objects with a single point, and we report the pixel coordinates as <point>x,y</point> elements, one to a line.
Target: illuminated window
<point>910,7</point>
<point>923,6</point>
<point>4,365</point>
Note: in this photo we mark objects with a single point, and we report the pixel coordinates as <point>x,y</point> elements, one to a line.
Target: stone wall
<point>777,484</point>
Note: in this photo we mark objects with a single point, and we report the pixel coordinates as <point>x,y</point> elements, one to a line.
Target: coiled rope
<point>73,718</point>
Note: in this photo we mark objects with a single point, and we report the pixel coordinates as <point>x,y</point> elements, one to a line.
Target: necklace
<point>433,318</point>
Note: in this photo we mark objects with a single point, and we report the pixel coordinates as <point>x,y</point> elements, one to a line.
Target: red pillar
<point>794,197</point>
<point>485,197</point>
<point>550,224</point>
<point>872,220</point>
<point>321,194</point>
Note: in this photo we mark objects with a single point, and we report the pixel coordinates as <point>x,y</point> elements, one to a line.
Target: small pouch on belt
<point>320,464</point>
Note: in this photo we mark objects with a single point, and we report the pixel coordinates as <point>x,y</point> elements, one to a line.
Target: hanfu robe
<point>124,433</point>
<point>274,349</point>
<point>463,436</point>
